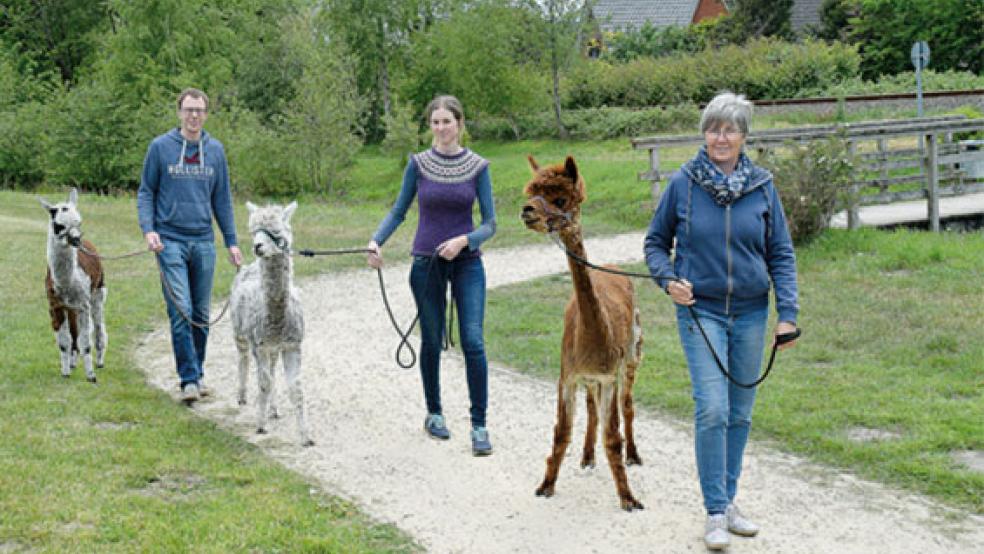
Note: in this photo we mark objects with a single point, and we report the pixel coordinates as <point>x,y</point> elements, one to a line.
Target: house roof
<point>620,14</point>
<point>805,12</point>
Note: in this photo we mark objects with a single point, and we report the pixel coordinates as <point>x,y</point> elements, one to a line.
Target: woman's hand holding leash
<point>154,243</point>
<point>374,258</point>
<point>682,292</point>
<point>786,335</point>
<point>450,248</point>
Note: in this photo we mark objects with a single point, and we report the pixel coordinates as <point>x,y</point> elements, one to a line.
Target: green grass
<point>892,341</point>
<point>120,467</point>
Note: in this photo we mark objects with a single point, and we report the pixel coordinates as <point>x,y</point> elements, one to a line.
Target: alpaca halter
<point>550,210</point>
<point>277,239</point>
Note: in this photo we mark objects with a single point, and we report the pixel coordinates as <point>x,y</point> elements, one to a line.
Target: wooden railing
<point>870,142</point>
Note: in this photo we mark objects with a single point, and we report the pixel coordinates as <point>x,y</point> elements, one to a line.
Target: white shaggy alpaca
<point>266,313</point>
<point>76,289</point>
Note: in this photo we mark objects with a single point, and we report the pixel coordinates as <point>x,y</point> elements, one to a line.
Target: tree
<point>886,30</point>
<point>564,21</point>
<point>322,121</point>
<point>761,18</point>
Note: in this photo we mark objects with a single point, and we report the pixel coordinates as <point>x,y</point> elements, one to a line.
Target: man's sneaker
<point>716,532</point>
<point>203,389</point>
<point>434,425</point>
<point>481,446</point>
<point>189,393</point>
<point>737,523</point>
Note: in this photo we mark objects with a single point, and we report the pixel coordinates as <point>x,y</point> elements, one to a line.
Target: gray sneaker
<point>203,389</point>
<point>737,523</point>
<point>716,532</point>
<point>189,393</point>
<point>481,445</point>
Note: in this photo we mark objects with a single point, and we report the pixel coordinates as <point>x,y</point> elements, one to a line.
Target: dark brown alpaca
<point>602,344</point>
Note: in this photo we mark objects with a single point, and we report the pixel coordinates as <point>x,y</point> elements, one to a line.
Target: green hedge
<point>591,123</point>
<point>761,69</point>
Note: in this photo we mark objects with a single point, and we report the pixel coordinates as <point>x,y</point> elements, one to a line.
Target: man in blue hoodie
<point>185,181</point>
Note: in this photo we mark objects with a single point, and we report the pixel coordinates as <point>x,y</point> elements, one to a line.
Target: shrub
<point>761,69</point>
<point>22,146</point>
<point>592,123</point>
<point>402,136</point>
<point>813,181</point>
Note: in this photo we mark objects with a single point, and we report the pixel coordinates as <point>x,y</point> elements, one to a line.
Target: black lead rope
<point>780,339</point>
<point>404,335</point>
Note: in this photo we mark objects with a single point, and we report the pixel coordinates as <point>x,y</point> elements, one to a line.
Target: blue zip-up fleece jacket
<point>182,185</point>
<point>729,253</point>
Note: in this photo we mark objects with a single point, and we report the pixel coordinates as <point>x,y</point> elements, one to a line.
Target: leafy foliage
<point>402,132</point>
<point>886,30</point>
<point>813,181</point>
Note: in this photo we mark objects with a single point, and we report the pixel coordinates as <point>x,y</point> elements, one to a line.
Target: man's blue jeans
<point>188,268</point>
<point>428,281</point>
<point>723,411</point>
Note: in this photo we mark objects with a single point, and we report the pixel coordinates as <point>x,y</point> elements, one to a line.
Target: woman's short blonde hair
<point>727,107</point>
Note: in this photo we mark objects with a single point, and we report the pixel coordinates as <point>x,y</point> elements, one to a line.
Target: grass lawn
<point>892,342</point>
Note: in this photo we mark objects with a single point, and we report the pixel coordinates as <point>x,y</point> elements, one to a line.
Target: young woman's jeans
<point>188,268</point>
<point>428,281</point>
<point>723,412</point>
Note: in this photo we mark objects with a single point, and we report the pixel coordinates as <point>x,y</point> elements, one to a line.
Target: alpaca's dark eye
<point>63,209</point>
<point>559,202</point>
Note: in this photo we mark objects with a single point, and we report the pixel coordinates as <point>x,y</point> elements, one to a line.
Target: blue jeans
<point>723,411</point>
<point>429,283</point>
<point>188,268</point>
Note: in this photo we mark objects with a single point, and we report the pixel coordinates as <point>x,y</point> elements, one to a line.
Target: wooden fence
<point>924,154</point>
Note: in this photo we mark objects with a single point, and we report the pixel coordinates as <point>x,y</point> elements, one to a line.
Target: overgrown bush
<point>592,123</point>
<point>22,145</point>
<point>904,82</point>
<point>402,132</point>
<point>761,69</point>
<point>813,181</point>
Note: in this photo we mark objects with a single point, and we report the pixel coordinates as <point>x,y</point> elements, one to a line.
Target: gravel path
<point>365,416</point>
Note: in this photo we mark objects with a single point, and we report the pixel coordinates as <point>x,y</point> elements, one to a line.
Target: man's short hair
<point>194,93</point>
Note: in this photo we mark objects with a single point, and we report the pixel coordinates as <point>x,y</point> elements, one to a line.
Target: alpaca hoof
<point>273,414</point>
<point>545,491</point>
<point>242,401</point>
<point>633,460</point>
<point>100,366</point>
<point>629,504</point>
<point>91,379</point>
<point>587,461</point>
<point>260,431</point>
<point>66,375</point>
<point>307,443</point>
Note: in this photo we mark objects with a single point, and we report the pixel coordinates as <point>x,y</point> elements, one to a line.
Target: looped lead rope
<point>780,339</point>
<point>181,312</point>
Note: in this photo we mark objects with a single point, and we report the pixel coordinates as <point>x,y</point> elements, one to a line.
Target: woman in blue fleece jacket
<point>722,218</point>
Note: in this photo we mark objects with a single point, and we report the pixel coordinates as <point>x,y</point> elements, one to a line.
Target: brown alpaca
<point>602,344</point>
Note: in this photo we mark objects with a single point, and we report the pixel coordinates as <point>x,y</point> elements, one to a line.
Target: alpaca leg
<point>85,343</point>
<point>590,437</point>
<point>243,348</point>
<point>63,337</point>
<point>628,409</point>
<point>613,446</point>
<point>263,379</point>
<point>73,329</point>
<point>99,335</point>
<point>272,413</point>
<point>292,369</point>
<point>566,395</point>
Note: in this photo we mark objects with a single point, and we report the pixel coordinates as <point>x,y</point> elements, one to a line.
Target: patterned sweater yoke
<point>449,170</point>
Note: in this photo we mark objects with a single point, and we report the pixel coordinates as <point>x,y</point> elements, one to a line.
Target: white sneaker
<point>737,523</point>
<point>203,389</point>
<point>716,532</point>
<point>189,393</point>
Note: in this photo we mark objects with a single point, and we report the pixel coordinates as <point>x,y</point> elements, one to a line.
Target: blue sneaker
<point>481,446</point>
<point>434,425</point>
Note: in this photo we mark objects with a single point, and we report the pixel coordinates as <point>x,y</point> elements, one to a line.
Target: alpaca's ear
<point>250,206</point>
<point>570,168</point>
<point>73,196</point>
<point>289,211</point>
<point>533,165</point>
<point>51,209</point>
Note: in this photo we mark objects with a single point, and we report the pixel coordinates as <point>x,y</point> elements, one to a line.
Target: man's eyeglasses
<point>195,111</point>
<point>729,133</point>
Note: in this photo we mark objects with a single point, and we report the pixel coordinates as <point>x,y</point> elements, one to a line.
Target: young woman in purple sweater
<point>446,180</point>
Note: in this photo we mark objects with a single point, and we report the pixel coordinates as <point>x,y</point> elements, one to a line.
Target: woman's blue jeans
<point>723,411</point>
<point>428,281</point>
<point>188,268</point>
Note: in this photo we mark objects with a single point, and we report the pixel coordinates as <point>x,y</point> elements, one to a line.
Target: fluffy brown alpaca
<point>602,344</point>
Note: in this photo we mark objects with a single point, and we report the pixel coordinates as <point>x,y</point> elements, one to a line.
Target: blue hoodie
<point>182,185</point>
<point>729,253</point>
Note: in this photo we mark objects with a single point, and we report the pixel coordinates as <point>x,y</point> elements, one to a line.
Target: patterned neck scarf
<point>725,189</point>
